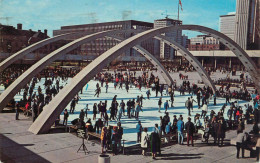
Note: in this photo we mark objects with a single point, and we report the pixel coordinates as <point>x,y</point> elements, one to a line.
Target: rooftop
<point>133,22</point>
<point>169,19</point>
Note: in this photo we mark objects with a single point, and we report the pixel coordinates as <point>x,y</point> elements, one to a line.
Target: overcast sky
<point>52,14</point>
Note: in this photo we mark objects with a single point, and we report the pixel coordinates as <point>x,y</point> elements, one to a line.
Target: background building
<point>227,24</point>
<point>99,46</point>
<point>203,43</point>
<point>247,24</point>
<point>13,40</point>
<point>161,49</point>
<point>185,41</point>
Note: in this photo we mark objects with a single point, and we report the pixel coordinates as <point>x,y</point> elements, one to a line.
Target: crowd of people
<point>212,123</point>
<point>34,99</point>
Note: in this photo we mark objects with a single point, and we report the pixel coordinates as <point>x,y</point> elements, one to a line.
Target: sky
<point>52,14</point>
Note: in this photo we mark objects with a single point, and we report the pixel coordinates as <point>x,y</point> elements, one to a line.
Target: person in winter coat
<point>115,140</point>
<point>144,141</point>
<point>103,139</point>
<point>94,111</point>
<point>188,105</point>
<point>137,110</point>
<point>139,129</point>
<point>168,128</point>
<point>230,113</point>
<point>221,131</point>
<point>159,104</point>
<point>165,121</point>
<point>148,93</point>
<point>197,124</point>
<point>204,110</point>
<point>166,106</point>
<point>189,127</point>
<point>155,143</point>
<point>180,128</point>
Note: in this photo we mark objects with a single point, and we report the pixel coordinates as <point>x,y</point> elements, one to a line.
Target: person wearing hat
<point>114,140</point>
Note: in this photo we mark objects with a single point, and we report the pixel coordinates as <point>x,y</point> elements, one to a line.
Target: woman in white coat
<point>144,141</point>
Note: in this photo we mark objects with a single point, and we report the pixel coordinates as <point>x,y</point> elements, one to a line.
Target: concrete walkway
<point>19,145</point>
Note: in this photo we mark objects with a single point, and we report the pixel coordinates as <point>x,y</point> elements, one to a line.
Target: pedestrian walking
<point>144,141</point>
<point>159,104</point>
<point>139,129</point>
<point>180,128</point>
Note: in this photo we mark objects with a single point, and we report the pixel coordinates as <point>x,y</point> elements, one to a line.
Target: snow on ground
<point>150,115</point>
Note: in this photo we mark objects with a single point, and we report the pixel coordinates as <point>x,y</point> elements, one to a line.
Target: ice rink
<point>150,115</point>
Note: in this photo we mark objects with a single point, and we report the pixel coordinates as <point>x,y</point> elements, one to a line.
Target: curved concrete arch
<point>60,101</point>
<point>20,54</point>
<point>23,79</point>
<point>10,92</point>
<point>156,63</point>
<point>192,60</point>
<point>151,58</point>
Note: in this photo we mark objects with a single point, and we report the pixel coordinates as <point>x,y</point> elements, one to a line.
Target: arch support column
<point>192,60</point>
<point>164,73</point>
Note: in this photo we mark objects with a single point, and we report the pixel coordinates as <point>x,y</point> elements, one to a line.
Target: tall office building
<point>247,24</point>
<point>257,25</point>
<point>227,24</point>
<point>164,50</point>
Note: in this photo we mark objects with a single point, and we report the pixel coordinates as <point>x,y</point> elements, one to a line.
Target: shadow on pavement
<point>11,151</point>
<point>174,156</point>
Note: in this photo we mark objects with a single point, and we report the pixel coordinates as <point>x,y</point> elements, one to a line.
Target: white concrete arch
<point>192,60</point>
<point>56,106</point>
<point>20,54</point>
<point>19,83</point>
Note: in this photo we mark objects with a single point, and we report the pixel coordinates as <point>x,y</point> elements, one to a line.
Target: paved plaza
<point>19,145</point>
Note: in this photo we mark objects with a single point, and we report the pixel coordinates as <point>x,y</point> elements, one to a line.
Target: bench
<point>22,108</point>
<point>250,150</point>
<point>94,134</point>
<point>168,137</point>
<point>26,112</point>
<point>72,127</point>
